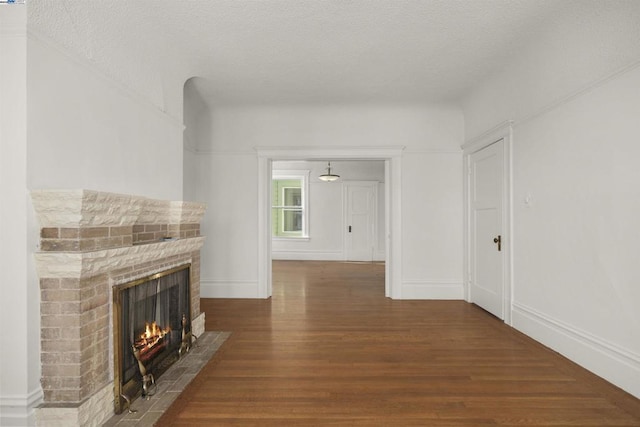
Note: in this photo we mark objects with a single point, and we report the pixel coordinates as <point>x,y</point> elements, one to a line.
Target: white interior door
<point>486,286</point>
<point>360,220</point>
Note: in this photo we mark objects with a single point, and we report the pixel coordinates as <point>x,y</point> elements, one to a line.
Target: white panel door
<point>360,220</point>
<point>486,224</point>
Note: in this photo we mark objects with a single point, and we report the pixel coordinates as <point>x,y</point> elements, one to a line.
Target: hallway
<point>329,349</point>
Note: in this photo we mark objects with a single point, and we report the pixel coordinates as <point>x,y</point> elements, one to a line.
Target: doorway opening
<point>315,220</point>
<point>392,232</point>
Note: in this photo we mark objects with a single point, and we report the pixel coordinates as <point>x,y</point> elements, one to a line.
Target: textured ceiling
<point>298,51</point>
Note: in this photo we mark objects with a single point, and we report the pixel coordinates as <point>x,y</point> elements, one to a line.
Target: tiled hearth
<point>171,384</point>
<point>89,242</point>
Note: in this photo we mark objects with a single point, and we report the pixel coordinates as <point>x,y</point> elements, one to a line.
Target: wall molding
<point>324,153</point>
<point>19,410</point>
<point>457,151</point>
<point>589,87</point>
<point>613,363</point>
<point>488,137</point>
<point>433,289</point>
<point>229,288</point>
<point>224,153</point>
<point>555,104</point>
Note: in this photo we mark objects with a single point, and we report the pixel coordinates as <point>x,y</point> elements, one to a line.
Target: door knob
<point>498,240</point>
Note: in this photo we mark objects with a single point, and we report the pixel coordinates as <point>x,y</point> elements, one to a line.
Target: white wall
<point>193,108</point>
<point>577,243</point>
<point>432,224</point>
<point>326,210</point>
<point>575,146</point>
<point>571,52</point>
<point>19,296</point>
<point>87,131</point>
<point>228,184</point>
<point>432,136</point>
<point>64,125</point>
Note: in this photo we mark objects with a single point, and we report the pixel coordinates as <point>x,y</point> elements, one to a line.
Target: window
<point>289,204</point>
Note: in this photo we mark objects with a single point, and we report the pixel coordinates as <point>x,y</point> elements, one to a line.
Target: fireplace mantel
<point>82,264</point>
<point>91,241</point>
<point>89,208</point>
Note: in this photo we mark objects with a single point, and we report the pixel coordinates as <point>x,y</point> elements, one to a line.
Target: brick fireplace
<point>90,242</point>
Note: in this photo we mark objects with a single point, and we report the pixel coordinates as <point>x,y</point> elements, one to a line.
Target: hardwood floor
<point>329,349</point>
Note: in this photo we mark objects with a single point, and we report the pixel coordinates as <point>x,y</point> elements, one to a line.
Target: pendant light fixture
<point>329,177</point>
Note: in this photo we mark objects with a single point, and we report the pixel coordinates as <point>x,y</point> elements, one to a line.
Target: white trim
<point>208,152</point>
<point>393,244</point>
<point>504,132</point>
<point>393,188</point>
<point>19,409</point>
<point>326,153</point>
<point>265,173</point>
<point>434,150</point>
<point>559,102</point>
<point>578,93</point>
<point>613,363</point>
<point>487,138</point>
<point>229,289</point>
<point>432,289</point>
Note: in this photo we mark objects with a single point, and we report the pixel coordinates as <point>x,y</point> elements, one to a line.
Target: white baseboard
<point>435,290</point>
<point>307,255</point>
<point>609,361</point>
<point>20,410</point>
<point>228,289</point>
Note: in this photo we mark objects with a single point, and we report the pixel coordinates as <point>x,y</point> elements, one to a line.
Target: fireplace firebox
<point>152,330</point>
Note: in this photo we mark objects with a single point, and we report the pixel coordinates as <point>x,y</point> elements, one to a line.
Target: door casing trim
<point>393,205</point>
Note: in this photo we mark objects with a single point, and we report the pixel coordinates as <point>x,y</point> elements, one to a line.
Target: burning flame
<point>151,335</point>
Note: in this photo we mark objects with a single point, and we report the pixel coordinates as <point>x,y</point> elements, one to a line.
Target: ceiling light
<point>329,177</point>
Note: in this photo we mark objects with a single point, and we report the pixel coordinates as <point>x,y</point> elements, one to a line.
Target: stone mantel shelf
<point>81,264</point>
<point>89,208</point>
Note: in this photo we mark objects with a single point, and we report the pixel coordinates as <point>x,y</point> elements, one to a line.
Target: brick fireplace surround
<point>89,242</point>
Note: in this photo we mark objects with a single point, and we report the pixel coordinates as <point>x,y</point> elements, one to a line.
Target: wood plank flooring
<point>329,349</point>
